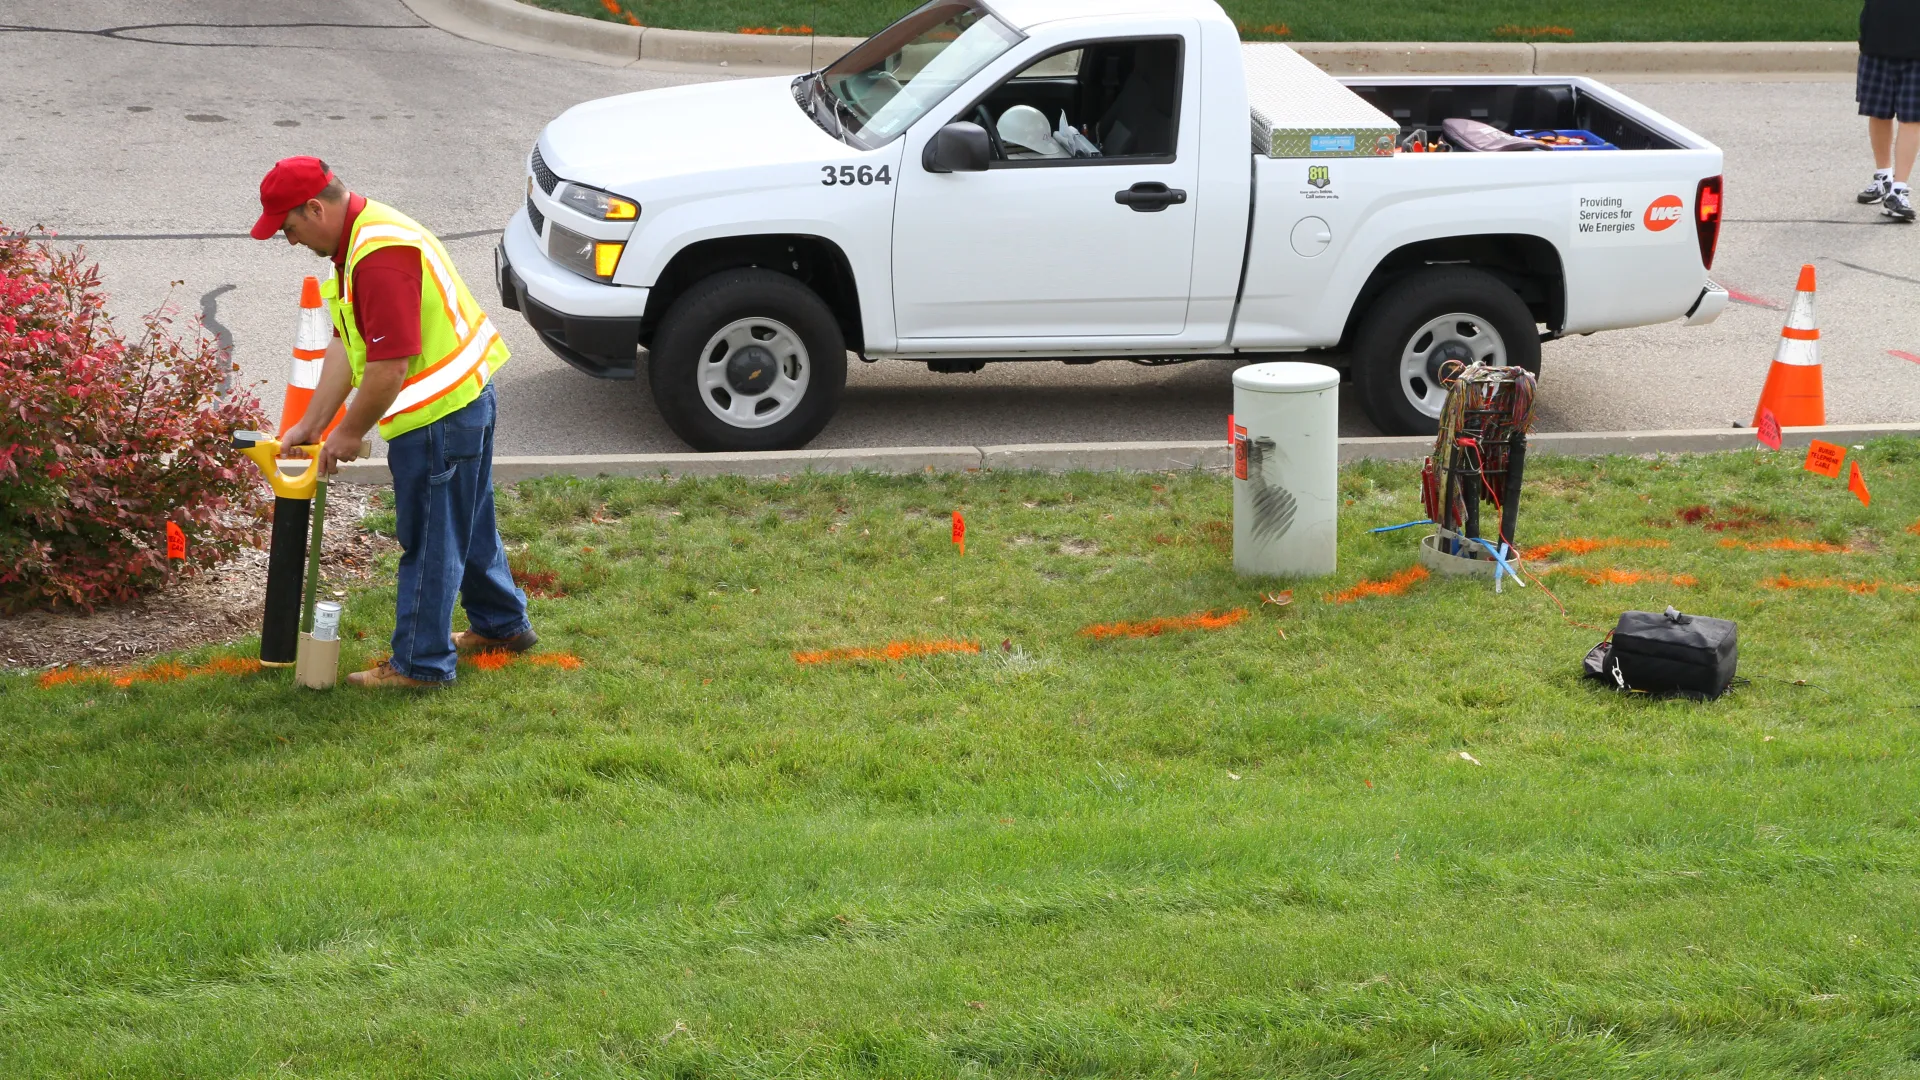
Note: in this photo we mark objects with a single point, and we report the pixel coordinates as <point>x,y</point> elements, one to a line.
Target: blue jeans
<point>443,503</point>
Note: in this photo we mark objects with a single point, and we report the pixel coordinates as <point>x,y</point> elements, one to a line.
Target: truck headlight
<point>583,255</point>
<point>599,204</point>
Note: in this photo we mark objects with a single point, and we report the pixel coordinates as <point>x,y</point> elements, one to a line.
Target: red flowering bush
<point>104,440</point>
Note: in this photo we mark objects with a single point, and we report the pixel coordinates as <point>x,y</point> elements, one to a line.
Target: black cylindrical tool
<point>286,573</point>
<point>287,559</point>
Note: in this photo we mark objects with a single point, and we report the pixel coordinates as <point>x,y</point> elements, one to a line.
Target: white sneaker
<point>1877,191</point>
<point>1898,205</point>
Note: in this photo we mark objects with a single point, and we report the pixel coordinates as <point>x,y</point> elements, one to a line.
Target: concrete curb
<point>1407,58</point>
<point>515,25</point>
<point>1696,58</point>
<point>1103,457</point>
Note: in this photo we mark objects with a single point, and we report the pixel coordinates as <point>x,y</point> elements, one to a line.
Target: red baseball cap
<point>291,182</point>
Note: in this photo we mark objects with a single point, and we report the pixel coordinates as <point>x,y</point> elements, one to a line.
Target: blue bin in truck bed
<point>1588,140</point>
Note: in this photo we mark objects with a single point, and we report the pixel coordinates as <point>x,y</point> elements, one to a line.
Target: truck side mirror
<point>961,146</point>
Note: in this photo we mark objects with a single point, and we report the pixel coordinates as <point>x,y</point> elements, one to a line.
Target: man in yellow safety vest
<point>412,341</point>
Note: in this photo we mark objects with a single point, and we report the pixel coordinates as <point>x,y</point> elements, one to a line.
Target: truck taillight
<point>1706,217</point>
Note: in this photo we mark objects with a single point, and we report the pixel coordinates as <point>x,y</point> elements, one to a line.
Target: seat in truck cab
<point>1139,121</point>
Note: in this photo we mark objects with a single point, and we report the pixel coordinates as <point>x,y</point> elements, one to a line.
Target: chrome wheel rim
<point>1431,351</point>
<point>753,373</point>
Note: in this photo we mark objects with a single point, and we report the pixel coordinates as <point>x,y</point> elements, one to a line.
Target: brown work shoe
<point>467,641</point>
<point>383,676</point>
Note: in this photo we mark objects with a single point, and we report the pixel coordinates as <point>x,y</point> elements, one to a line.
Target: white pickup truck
<point>1079,180</point>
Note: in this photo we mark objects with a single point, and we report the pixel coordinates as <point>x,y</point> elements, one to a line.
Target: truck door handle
<point>1150,198</point>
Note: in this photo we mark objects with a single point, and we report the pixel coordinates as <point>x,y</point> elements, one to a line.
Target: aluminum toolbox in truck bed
<point>1300,111</point>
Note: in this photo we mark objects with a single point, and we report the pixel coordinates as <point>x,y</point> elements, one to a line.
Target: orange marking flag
<point>1857,484</point>
<point>1825,458</point>
<point>1769,429</point>
<point>176,542</point>
<point>960,531</point>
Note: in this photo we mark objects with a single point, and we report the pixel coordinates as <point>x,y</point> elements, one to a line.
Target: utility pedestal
<point>1286,470</point>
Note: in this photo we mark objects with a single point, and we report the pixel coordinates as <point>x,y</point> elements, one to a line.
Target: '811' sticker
<point>851,176</point>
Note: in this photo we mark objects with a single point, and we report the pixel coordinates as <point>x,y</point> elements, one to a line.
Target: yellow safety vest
<point>459,348</point>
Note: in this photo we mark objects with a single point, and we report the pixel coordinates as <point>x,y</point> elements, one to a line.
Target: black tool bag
<point>1668,653</point>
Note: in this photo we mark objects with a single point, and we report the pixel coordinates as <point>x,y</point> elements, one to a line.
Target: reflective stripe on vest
<point>431,384</point>
<point>461,349</point>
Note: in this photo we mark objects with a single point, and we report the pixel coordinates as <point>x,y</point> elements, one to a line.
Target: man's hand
<point>341,446</point>
<point>297,435</point>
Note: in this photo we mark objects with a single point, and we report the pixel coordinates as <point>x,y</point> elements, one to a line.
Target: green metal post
<point>313,554</point>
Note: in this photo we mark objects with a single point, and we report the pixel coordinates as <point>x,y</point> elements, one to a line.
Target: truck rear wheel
<point>747,360</point>
<point>1417,328</point>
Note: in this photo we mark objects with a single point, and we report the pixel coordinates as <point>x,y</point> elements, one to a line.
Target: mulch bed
<point>216,606</point>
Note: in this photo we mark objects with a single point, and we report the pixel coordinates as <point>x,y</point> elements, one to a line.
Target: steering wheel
<point>985,120</point>
<point>870,91</point>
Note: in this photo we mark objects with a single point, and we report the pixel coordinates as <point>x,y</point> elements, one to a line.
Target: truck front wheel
<point>1415,333</point>
<point>747,360</point>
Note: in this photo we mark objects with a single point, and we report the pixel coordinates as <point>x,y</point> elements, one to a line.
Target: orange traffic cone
<point>1794,391</point>
<point>309,350</point>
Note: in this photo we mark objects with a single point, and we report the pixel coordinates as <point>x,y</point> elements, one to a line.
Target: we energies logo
<point>1318,176</point>
<point>1664,213</point>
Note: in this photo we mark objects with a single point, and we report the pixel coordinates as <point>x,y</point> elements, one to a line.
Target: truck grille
<point>535,218</point>
<point>543,175</point>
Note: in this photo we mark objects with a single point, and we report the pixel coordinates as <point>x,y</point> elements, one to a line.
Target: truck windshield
<point>897,76</point>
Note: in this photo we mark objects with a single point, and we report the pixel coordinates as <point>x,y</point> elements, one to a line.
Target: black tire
<point>1406,405</point>
<point>772,303</point>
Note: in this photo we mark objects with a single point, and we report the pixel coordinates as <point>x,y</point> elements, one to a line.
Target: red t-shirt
<point>386,293</point>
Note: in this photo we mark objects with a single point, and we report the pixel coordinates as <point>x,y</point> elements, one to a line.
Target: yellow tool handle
<point>265,452</point>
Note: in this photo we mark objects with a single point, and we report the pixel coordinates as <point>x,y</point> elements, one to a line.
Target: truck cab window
<point>897,76</point>
<point>1116,100</point>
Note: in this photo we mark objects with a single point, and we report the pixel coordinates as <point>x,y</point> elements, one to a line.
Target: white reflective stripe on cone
<point>305,374</point>
<point>437,380</point>
<point>1800,337</point>
<point>314,332</point>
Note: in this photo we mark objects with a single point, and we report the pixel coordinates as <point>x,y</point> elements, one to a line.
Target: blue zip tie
<point>1397,528</point>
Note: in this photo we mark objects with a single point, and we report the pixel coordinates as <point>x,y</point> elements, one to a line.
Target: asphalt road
<point>141,128</point>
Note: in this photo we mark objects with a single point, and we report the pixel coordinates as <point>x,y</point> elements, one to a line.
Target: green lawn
<point>1226,853</point>
<point>1336,20</point>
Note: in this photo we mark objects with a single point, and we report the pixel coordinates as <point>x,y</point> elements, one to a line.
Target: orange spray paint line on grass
<point>1858,588</point>
<point>892,650</point>
<point>1616,576</point>
<point>1581,545</point>
<point>1205,620</point>
<point>614,9</point>
<point>1397,585</point>
<point>1511,30</point>
<point>1818,547</point>
<point>158,672</point>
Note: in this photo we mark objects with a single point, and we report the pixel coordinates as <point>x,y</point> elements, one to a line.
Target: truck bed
<point>1509,105</point>
<point>1300,111</point>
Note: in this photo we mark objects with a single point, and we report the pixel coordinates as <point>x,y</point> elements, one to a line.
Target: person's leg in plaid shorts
<point>1888,90</point>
